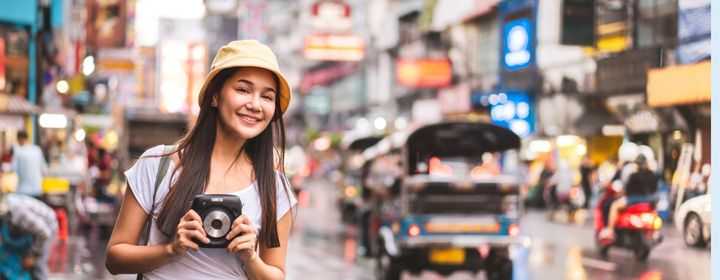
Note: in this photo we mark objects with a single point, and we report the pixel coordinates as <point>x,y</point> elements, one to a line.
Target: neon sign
<point>518,44</point>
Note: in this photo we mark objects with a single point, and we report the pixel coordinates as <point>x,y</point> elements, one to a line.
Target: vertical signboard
<point>693,31</point>
<point>512,109</point>
<point>2,65</point>
<point>106,23</point>
<point>517,45</point>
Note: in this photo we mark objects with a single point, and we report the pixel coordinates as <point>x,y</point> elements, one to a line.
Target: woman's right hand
<point>190,227</point>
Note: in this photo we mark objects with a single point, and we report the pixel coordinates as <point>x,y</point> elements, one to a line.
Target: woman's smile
<point>249,119</point>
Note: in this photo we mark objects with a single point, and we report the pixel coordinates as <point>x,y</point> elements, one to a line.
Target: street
<point>323,248</point>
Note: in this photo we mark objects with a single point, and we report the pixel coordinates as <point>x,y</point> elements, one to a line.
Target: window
<point>488,46</point>
<point>656,23</point>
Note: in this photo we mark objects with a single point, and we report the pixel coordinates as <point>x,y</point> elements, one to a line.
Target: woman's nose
<point>254,103</point>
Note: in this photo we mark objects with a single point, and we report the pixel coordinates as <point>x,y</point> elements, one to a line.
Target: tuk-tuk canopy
<point>363,143</point>
<point>461,138</point>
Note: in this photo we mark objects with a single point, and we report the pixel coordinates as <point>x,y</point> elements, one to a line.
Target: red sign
<point>331,16</point>
<point>334,47</point>
<point>106,23</point>
<point>2,64</point>
<point>423,73</point>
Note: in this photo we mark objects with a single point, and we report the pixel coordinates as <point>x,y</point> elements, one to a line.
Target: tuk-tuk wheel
<point>388,267</point>
<point>641,253</point>
<point>501,270</point>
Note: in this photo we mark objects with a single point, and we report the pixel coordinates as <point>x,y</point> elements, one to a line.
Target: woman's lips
<point>249,119</point>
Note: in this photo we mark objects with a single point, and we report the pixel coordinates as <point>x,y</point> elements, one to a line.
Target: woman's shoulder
<point>156,151</point>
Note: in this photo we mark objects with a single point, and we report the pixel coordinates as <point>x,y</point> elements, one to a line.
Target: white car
<point>693,219</point>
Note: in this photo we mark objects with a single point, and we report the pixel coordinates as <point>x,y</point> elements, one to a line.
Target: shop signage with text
<point>679,85</point>
<point>334,47</point>
<point>423,73</point>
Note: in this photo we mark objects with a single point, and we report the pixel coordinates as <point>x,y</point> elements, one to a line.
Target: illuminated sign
<point>514,110</point>
<point>517,52</point>
<point>334,47</point>
<point>423,73</point>
<point>331,16</point>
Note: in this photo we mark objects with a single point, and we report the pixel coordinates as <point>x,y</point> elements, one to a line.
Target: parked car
<point>693,219</point>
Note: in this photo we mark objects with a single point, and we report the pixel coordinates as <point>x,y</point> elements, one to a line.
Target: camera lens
<point>216,224</point>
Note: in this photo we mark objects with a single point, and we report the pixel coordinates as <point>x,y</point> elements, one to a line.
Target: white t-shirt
<point>207,263</point>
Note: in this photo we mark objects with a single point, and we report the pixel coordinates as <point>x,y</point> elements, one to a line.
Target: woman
<point>230,150</point>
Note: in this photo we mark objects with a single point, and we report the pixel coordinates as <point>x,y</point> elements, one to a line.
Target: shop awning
<point>592,121</point>
<point>679,85</point>
<point>640,118</point>
<point>13,104</point>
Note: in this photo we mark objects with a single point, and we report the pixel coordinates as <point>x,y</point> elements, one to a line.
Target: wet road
<point>322,248</point>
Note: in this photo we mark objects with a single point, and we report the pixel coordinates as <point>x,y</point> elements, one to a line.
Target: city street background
<point>554,97</point>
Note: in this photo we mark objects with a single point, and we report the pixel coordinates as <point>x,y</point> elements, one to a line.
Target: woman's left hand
<point>244,239</point>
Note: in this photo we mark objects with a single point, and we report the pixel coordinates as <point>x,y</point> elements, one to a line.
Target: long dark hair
<point>195,150</point>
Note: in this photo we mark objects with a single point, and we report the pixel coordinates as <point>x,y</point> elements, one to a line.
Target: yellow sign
<point>4,102</point>
<point>461,228</point>
<point>451,256</point>
<point>676,85</point>
<point>616,43</point>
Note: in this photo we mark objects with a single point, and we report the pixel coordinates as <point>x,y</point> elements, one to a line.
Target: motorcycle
<point>566,205</point>
<point>637,227</point>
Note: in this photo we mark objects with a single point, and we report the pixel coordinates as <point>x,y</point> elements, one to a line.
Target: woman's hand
<point>244,239</point>
<point>190,227</point>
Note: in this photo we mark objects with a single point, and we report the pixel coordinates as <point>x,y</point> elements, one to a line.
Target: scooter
<point>566,204</point>
<point>637,227</point>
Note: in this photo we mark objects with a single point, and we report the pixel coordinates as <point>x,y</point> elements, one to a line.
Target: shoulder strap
<point>162,170</point>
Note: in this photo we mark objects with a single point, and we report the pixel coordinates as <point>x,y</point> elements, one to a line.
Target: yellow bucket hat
<point>247,53</point>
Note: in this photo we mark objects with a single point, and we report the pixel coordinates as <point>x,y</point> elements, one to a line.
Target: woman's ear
<point>213,101</point>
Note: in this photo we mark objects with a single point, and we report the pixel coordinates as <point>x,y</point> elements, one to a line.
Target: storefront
<point>685,88</point>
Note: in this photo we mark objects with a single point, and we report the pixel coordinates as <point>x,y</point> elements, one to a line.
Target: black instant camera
<point>217,212</point>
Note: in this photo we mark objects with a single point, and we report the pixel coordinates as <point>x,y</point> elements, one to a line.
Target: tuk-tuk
<point>447,199</point>
<point>349,188</point>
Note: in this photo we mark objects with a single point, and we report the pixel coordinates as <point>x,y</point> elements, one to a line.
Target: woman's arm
<point>270,264</point>
<point>123,253</point>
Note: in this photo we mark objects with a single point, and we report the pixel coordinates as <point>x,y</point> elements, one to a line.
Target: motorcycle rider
<point>640,187</point>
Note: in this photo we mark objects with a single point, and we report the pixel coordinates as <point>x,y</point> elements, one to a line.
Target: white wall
<point>556,61</point>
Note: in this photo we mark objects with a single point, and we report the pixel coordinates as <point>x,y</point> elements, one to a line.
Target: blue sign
<point>513,110</point>
<point>693,31</point>
<point>20,12</point>
<point>517,47</point>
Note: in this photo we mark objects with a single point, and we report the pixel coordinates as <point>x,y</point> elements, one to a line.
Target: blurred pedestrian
<point>29,164</point>
<point>586,171</point>
<point>25,215</point>
<point>230,150</point>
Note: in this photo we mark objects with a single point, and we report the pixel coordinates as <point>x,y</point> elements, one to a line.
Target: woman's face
<point>246,103</point>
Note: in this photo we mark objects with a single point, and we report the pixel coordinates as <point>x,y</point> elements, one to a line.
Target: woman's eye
<point>243,90</point>
<point>268,97</point>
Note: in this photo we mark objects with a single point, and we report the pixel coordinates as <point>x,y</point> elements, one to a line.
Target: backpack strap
<point>162,170</point>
